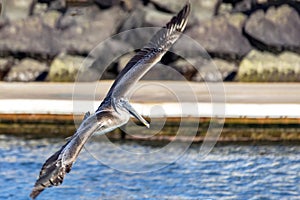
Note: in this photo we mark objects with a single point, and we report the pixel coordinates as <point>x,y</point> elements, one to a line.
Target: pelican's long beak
<point>134,113</point>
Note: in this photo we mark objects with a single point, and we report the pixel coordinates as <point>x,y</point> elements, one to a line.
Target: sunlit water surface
<point>230,171</point>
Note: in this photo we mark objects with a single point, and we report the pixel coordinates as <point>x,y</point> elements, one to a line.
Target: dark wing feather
<point>51,174</point>
<point>60,163</point>
<point>149,55</point>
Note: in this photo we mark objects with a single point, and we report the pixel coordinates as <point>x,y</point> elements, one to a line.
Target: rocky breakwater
<point>245,40</point>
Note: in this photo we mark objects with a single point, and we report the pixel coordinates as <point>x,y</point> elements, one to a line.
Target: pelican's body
<point>115,109</point>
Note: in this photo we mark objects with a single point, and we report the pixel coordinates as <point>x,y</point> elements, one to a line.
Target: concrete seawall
<point>251,111</point>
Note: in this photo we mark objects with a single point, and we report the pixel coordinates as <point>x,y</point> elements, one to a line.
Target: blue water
<point>229,172</point>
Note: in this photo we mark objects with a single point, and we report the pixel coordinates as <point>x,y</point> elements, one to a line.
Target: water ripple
<point>229,172</point>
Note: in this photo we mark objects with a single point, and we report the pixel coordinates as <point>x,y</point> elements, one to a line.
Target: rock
<point>105,56</point>
<point>16,9</point>
<point>219,38</point>
<point>169,5</point>
<point>123,60</point>
<point>27,70</point>
<point>248,6</point>
<point>5,65</point>
<point>30,36</point>
<point>187,47</point>
<point>185,68</point>
<point>107,3</point>
<point>38,9</point>
<point>136,35</point>
<point>65,68</point>
<point>214,70</point>
<point>154,18</point>
<point>276,30</point>
<point>68,68</point>
<point>163,72</point>
<point>130,5</point>
<point>50,34</point>
<point>134,20</point>
<point>262,66</point>
<point>236,19</point>
<point>244,5</point>
<point>224,8</point>
<point>80,34</point>
<point>3,22</point>
<point>40,6</point>
<point>57,4</point>
<point>201,10</point>
<point>51,18</point>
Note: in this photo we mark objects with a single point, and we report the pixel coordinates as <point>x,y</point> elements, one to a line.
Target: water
<point>229,172</point>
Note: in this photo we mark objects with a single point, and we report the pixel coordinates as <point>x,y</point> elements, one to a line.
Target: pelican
<point>115,110</point>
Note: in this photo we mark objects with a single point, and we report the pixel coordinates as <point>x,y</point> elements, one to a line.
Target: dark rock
<point>185,68</point>
<point>3,22</point>
<point>134,20</point>
<point>265,67</point>
<point>57,4</point>
<point>186,47</point>
<point>27,70</point>
<point>137,36</point>
<point>220,38</point>
<point>41,6</point>
<point>30,36</point>
<point>276,30</point>
<point>201,10</point>
<point>163,72</point>
<point>49,34</point>
<point>105,57</point>
<point>5,65</point>
<point>244,6</point>
<point>250,6</point>
<point>80,34</point>
<point>107,3</point>
<point>169,5</point>
<point>142,24</point>
<point>189,48</point>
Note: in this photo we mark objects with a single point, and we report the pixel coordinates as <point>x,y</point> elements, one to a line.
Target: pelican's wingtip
<point>35,192</point>
<point>179,21</point>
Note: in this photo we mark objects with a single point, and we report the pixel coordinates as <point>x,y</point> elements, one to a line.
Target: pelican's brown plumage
<point>115,109</point>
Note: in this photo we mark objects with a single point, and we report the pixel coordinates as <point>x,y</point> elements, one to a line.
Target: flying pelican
<point>115,109</point>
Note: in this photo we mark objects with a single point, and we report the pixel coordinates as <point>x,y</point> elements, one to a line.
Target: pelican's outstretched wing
<point>149,55</point>
<point>60,163</point>
<point>105,120</point>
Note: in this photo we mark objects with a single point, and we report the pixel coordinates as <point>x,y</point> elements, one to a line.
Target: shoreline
<point>50,112</point>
